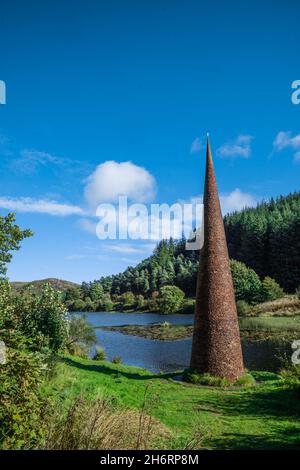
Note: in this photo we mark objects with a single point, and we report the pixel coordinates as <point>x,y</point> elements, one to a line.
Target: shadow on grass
<point>273,404</point>
<point>285,439</point>
<point>278,407</point>
<point>277,403</point>
<point>110,371</point>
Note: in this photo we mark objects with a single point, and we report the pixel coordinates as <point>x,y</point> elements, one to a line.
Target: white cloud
<point>240,147</point>
<point>41,206</point>
<point>236,201</point>
<point>197,145</point>
<point>285,140</point>
<point>112,179</point>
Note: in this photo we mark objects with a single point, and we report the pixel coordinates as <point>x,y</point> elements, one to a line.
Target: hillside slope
<point>36,286</point>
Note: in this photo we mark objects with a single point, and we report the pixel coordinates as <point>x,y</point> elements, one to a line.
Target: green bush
<point>170,299</point>
<point>243,308</point>
<point>99,354</point>
<point>127,300</point>
<point>246,282</point>
<point>116,360</point>
<point>246,380</point>
<point>270,290</point>
<point>291,377</point>
<point>188,306</point>
<point>43,318</point>
<point>81,335</point>
<point>21,407</point>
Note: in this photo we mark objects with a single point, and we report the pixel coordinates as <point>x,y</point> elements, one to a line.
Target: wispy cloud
<point>239,147</point>
<point>87,225</point>
<point>29,160</point>
<point>131,249</point>
<point>285,140</point>
<point>197,145</point>
<point>41,206</point>
<point>75,257</point>
<point>297,157</point>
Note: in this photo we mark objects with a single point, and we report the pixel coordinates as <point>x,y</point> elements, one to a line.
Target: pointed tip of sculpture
<point>208,149</point>
<point>207,140</point>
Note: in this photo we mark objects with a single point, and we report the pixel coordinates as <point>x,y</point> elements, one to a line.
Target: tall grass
<point>99,424</point>
<point>272,324</point>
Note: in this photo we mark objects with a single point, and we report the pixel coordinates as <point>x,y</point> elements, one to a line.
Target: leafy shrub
<point>140,301</point>
<point>291,376</point>
<point>170,299</point>
<point>99,354</point>
<point>243,308</point>
<point>43,318</point>
<point>246,282</point>
<point>127,300</point>
<point>188,306</point>
<point>270,290</point>
<point>81,335</point>
<point>106,303</point>
<point>116,360</point>
<point>79,350</point>
<point>21,407</point>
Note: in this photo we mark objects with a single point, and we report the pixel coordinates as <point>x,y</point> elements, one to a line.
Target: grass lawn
<point>262,417</point>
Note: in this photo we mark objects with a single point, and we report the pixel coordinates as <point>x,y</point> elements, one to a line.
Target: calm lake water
<point>169,356</point>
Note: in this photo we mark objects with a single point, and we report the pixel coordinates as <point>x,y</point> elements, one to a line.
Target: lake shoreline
<point>171,332</point>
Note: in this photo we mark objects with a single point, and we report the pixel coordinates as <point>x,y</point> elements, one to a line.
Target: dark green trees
<point>267,239</point>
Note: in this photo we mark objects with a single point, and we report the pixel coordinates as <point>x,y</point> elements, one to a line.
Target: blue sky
<point>139,82</point>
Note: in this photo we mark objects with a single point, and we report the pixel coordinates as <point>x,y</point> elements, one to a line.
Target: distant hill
<point>36,286</point>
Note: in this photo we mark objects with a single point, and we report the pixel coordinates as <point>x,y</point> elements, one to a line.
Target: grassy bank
<point>251,328</point>
<point>262,417</point>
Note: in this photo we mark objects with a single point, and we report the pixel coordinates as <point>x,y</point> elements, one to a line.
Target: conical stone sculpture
<point>216,340</point>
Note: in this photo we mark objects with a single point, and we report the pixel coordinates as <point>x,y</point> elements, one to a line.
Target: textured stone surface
<point>216,341</point>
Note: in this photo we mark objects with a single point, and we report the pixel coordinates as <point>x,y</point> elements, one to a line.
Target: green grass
<point>264,327</point>
<point>265,416</point>
<point>246,380</point>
